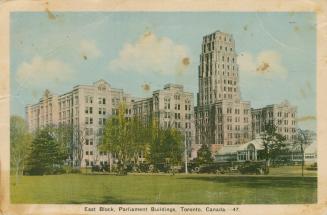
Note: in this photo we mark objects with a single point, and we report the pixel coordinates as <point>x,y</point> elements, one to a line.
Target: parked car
<point>251,168</point>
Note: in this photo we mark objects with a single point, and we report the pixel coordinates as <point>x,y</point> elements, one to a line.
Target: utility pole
<point>186,170</point>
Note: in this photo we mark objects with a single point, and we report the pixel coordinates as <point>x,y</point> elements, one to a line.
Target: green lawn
<point>292,171</point>
<point>164,189</point>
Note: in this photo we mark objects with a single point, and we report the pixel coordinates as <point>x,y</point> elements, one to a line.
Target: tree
<point>302,139</point>
<point>173,146</point>
<point>46,154</point>
<point>140,137</point>
<point>63,135</point>
<point>273,144</point>
<point>20,141</point>
<point>204,155</point>
<point>166,146</point>
<point>117,139</point>
<point>77,145</point>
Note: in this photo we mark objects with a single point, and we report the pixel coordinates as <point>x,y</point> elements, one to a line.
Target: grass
<point>292,171</point>
<point>165,189</point>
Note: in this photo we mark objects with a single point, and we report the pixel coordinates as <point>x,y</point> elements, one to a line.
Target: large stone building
<point>282,115</point>
<point>171,107</point>
<point>221,117</point>
<point>87,107</point>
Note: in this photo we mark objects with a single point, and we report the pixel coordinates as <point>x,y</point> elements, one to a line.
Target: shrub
<point>251,168</point>
<point>144,167</point>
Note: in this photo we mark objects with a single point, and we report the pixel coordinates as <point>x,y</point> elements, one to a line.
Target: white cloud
<point>88,49</point>
<point>42,72</point>
<point>152,54</point>
<point>266,63</point>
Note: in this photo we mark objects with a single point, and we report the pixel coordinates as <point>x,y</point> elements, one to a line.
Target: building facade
<point>221,117</point>
<point>171,107</point>
<point>282,115</point>
<point>87,107</point>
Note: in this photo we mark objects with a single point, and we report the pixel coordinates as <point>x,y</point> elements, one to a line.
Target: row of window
<point>89,110</point>
<point>207,67</point>
<point>206,101</point>
<point>208,47</point>
<point>168,124</point>
<point>89,120</point>
<point>213,36</point>
<point>89,100</point>
<point>237,119</point>
<point>219,111</point>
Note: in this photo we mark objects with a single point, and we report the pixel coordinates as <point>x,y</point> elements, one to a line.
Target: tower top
<point>218,35</point>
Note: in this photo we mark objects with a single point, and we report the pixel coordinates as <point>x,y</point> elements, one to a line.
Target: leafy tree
<point>70,139</point>
<point>20,141</point>
<point>127,138</point>
<point>77,145</point>
<point>166,146</point>
<point>46,154</point>
<point>204,155</point>
<point>173,145</point>
<point>140,137</point>
<point>63,135</point>
<point>117,139</point>
<point>273,144</point>
<point>302,139</point>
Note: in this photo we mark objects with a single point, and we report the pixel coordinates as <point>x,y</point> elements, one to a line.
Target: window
<point>76,100</point>
<point>100,131</point>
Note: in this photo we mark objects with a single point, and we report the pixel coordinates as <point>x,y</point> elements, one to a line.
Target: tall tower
<point>221,117</point>
<point>218,70</point>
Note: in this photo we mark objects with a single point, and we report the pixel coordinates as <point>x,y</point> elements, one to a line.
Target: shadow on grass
<point>105,200</point>
<point>259,181</point>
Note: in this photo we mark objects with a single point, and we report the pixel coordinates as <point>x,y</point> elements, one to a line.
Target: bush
<point>144,167</point>
<point>162,167</point>
<point>56,171</point>
<point>251,168</point>
<point>95,168</point>
<point>209,168</point>
<point>313,167</point>
<point>34,171</point>
<point>75,171</point>
<point>190,167</point>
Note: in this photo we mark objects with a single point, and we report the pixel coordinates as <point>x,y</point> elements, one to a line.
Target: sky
<point>142,51</point>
